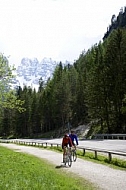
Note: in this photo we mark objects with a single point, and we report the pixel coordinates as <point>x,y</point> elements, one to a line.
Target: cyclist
<point>73,137</point>
<point>66,141</point>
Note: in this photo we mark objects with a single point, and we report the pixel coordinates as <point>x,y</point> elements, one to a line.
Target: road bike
<point>68,156</point>
<point>74,154</point>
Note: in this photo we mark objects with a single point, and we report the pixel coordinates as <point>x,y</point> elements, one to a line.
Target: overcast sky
<point>57,29</point>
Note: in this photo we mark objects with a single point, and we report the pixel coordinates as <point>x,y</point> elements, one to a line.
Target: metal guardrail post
<point>95,154</point>
<point>110,156</point>
<point>83,151</point>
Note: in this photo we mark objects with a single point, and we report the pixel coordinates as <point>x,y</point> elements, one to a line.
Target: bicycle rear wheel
<point>74,155</point>
<point>69,161</point>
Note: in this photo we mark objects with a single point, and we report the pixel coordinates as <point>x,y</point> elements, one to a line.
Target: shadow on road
<point>61,166</point>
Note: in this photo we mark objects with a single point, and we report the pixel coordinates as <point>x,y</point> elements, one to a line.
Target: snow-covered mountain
<point>31,70</point>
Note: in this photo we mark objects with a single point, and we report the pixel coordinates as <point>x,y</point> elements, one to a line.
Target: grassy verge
<point>115,163</point>
<point>20,171</point>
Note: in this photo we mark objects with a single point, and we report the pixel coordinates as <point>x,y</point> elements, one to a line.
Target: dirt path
<point>102,176</point>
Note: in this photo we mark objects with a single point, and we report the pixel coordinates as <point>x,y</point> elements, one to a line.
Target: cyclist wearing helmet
<point>66,141</point>
<point>73,137</point>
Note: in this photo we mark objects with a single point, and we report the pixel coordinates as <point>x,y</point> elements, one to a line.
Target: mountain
<point>117,22</point>
<point>31,70</point>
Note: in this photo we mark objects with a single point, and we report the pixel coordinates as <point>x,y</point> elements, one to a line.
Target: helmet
<point>72,131</point>
<point>66,135</point>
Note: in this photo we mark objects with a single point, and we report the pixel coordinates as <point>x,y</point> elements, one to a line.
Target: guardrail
<point>110,136</point>
<point>46,144</point>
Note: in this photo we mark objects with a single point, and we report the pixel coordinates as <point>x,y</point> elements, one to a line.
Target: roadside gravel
<point>102,176</point>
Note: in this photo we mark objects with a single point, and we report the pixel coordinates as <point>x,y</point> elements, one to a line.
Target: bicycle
<point>68,157</point>
<point>74,154</point>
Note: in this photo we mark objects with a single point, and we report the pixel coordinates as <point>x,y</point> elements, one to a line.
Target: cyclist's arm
<point>76,139</point>
<point>62,143</point>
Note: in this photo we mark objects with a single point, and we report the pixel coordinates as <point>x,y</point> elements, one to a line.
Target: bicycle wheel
<point>74,155</point>
<point>69,161</point>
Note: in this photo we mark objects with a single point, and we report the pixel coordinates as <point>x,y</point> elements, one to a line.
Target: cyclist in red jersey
<point>66,141</point>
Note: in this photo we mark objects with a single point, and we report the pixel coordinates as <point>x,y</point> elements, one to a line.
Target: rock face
<point>31,70</point>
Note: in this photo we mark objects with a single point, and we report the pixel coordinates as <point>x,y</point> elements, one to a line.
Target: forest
<point>92,90</point>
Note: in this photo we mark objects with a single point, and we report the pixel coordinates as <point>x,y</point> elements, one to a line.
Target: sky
<point>56,29</point>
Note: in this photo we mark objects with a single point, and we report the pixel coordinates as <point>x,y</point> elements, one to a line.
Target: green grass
<point>20,171</point>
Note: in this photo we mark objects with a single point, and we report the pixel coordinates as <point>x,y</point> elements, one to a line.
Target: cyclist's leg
<point>74,145</point>
<point>64,152</point>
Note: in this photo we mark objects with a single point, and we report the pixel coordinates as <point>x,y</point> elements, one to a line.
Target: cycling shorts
<point>65,145</point>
